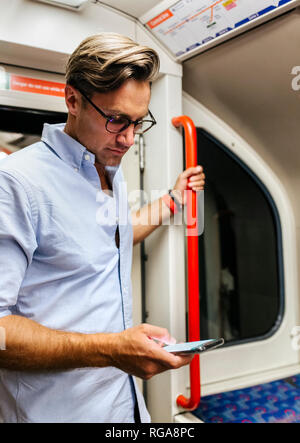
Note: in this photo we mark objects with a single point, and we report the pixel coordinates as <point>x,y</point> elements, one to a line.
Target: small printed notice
<point>36,86</point>
<point>189,24</point>
<point>20,83</point>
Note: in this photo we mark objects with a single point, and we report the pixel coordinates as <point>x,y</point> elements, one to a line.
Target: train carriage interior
<point>233,67</point>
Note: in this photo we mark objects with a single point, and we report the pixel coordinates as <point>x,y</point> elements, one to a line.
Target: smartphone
<point>194,347</point>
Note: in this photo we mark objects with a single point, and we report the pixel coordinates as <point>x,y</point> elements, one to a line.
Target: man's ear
<point>73,100</point>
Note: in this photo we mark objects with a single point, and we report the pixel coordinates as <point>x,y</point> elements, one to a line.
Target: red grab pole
<point>193,265</point>
<point>6,151</point>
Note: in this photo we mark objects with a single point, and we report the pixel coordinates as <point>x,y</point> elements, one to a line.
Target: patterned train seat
<point>275,402</point>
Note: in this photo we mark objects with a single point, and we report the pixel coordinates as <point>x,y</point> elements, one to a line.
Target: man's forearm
<point>148,218</point>
<point>33,347</point>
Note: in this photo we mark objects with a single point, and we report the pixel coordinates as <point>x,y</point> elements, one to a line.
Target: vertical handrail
<point>5,150</point>
<point>193,265</point>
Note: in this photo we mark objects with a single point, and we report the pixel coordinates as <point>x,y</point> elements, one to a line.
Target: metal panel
<point>260,358</point>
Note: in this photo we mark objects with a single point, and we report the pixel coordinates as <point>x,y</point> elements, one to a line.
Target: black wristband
<point>177,203</point>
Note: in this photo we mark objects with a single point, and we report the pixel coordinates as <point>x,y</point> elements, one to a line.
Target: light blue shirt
<point>60,267</point>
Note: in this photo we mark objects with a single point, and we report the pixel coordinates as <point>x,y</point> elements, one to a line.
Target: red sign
<point>160,19</point>
<point>36,86</point>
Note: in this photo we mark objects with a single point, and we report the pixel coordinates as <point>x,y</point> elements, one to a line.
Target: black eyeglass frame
<point>110,118</point>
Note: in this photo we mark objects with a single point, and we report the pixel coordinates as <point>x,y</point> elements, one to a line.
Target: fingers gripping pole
<point>193,265</point>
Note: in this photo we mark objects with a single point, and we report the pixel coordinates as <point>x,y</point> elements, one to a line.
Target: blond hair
<point>103,62</point>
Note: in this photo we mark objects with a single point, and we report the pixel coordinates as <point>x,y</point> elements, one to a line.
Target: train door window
<point>241,276</point>
<point>20,127</point>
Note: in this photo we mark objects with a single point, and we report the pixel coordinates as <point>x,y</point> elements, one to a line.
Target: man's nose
<point>126,137</point>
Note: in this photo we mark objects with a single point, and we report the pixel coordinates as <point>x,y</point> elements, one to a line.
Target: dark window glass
<point>241,289</point>
<point>20,127</point>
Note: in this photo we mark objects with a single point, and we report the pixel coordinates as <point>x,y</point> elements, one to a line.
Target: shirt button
<point>87,157</point>
<point>76,169</point>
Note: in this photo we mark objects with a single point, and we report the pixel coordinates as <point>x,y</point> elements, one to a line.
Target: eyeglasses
<point>117,124</point>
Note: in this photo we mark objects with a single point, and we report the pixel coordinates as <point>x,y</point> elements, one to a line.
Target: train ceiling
<point>135,9</point>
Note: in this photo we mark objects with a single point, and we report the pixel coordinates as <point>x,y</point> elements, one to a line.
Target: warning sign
<point>36,86</point>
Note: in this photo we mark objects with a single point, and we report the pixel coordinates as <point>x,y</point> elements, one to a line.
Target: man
<point>65,298</point>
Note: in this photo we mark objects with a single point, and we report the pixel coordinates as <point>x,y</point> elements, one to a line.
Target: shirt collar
<point>69,149</point>
<point>66,147</point>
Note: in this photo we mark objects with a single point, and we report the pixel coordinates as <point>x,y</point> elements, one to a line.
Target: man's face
<point>88,126</point>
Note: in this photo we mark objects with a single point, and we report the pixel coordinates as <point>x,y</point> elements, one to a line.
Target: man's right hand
<point>137,352</point>
<point>33,347</point>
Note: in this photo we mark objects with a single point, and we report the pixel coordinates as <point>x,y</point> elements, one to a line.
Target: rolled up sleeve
<point>17,238</point>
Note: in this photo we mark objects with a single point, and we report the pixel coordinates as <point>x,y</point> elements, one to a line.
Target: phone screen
<point>194,347</point>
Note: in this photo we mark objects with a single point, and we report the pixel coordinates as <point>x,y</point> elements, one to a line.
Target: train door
<point>250,287</point>
<point>240,97</point>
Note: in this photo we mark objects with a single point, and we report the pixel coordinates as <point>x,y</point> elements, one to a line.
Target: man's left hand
<point>190,179</point>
